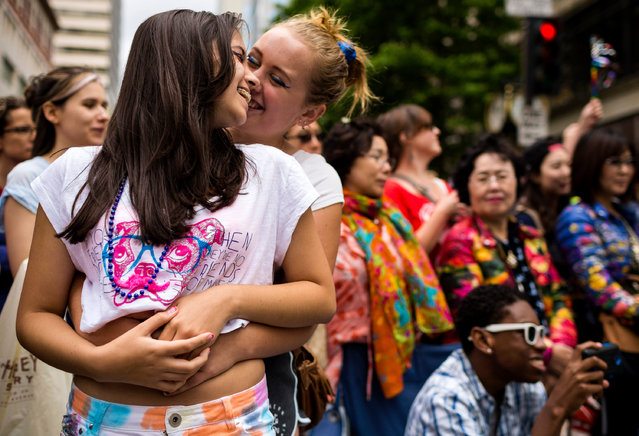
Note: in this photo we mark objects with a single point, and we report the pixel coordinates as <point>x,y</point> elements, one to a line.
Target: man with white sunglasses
<point>492,386</point>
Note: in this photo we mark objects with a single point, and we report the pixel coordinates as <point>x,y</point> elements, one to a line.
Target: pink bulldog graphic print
<point>143,271</point>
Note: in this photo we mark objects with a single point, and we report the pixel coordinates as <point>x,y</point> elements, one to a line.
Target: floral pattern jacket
<point>596,244</point>
<point>469,258</point>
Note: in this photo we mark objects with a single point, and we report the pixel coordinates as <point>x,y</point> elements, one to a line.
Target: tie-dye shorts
<point>243,413</point>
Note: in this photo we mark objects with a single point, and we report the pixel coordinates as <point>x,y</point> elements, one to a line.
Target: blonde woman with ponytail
<point>303,64</point>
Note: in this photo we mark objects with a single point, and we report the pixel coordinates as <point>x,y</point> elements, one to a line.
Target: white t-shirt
<point>323,177</point>
<point>239,244</point>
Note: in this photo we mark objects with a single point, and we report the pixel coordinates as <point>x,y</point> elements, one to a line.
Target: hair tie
<point>348,50</point>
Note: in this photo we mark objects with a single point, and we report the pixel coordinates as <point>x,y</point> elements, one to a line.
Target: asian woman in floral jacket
<point>490,247</point>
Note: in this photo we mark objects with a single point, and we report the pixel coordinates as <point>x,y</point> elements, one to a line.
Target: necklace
<point>508,257</point>
<point>110,229</point>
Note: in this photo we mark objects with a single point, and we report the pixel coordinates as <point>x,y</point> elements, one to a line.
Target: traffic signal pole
<point>528,63</point>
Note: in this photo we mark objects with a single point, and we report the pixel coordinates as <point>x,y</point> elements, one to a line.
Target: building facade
<point>27,28</point>
<point>258,14</point>
<point>88,36</point>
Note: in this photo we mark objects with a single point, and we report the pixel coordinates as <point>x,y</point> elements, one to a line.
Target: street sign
<point>530,8</point>
<point>534,123</point>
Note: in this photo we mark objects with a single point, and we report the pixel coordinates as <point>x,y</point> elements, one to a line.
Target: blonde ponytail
<point>339,63</point>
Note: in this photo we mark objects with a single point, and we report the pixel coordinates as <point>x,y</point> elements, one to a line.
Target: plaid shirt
<point>454,402</point>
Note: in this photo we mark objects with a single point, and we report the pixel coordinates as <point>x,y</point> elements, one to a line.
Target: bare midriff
<point>241,376</point>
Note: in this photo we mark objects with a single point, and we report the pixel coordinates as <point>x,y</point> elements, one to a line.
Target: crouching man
<point>492,386</point>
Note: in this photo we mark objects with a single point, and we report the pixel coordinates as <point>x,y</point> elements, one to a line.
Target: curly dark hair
<point>488,143</point>
<point>345,142</point>
<point>482,306</point>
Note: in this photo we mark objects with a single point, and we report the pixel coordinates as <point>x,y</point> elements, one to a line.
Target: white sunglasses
<point>532,332</point>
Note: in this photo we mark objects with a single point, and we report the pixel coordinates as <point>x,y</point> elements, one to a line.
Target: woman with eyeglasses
<point>597,233</point>
<point>391,312</point>
<point>68,107</point>
<point>426,201</point>
<point>490,247</point>
<point>16,142</point>
<point>308,139</point>
<point>16,135</point>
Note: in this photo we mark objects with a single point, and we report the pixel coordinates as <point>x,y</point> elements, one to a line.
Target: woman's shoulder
<point>269,162</point>
<point>577,209</point>
<point>315,166</point>
<point>323,177</point>
<point>265,153</point>
<point>396,190</point>
<point>464,228</point>
<point>73,163</point>
<point>529,232</point>
<point>527,216</point>
<point>26,171</point>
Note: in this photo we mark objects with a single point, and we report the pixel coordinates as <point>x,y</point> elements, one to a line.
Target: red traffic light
<point>548,31</point>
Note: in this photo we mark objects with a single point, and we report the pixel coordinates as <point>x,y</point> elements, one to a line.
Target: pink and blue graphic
<point>134,262</point>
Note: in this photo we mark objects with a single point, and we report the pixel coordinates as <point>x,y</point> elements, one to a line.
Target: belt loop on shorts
<point>229,415</point>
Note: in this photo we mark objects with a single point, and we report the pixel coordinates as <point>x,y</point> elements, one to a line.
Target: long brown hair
<point>533,196</point>
<point>161,135</point>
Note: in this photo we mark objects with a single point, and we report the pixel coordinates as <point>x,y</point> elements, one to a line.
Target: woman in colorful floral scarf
<point>597,233</point>
<point>392,320</point>
<point>491,247</point>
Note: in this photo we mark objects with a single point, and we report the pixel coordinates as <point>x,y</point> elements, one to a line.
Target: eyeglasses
<point>617,161</point>
<point>306,137</point>
<point>487,178</point>
<point>381,159</point>
<point>21,130</point>
<point>532,332</point>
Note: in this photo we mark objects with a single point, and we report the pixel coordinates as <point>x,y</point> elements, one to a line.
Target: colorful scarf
<point>397,295</point>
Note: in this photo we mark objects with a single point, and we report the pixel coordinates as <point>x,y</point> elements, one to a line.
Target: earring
<point>489,351</point>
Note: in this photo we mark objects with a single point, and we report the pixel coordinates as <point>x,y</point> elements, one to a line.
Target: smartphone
<point>608,352</point>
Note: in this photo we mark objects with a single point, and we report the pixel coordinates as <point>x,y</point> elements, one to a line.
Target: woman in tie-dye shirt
<point>490,247</point>
<point>597,233</point>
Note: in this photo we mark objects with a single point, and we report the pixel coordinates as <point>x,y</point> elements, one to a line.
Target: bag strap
<point>420,188</point>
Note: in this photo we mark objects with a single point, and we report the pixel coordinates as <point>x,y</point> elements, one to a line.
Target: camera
<point>609,353</point>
